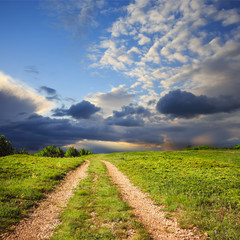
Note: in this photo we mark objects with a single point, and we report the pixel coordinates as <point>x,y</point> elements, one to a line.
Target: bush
<point>51,151</point>
<point>5,147</point>
<point>72,152</point>
<point>84,152</point>
<point>237,146</point>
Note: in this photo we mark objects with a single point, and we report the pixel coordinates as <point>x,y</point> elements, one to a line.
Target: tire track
<point>148,213</point>
<point>40,224</point>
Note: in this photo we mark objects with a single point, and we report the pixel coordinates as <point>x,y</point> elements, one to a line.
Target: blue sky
<point>120,75</point>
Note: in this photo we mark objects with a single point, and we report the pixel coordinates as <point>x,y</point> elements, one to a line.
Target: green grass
<point>97,212</point>
<point>23,181</point>
<point>201,188</point>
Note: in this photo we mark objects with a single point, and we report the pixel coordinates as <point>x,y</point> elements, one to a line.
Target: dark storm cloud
<point>82,110</point>
<point>131,110</point>
<point>11,106</point>
<point>184,104</point>
<point>129,116</point>
<point>151,102</point>
<point>36,132</point>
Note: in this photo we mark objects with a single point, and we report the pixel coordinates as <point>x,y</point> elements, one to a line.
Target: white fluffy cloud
<point>112,100</point>
<point>171,40</point>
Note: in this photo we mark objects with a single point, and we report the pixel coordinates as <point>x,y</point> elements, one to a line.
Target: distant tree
<point>60,152</point>
<point>72,152</point>
<point>51,151</point>
<point>202,147</point>
<point>5,147</point>
<point>89,152</point>
<point>82,152</point>
<point>237,146</point>
<point>15,151</point>
<point>23,151</point>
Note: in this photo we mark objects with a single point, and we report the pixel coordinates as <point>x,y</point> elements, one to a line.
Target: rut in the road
<point>40,224</point>
<point>148,213</point>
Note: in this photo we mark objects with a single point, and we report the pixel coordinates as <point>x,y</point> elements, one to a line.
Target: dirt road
<point>40,224</point>
<point>148,213</point>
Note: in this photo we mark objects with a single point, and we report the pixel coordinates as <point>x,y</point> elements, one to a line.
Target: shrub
<point>72,152</point>
<point>51,151</point>
<point>5,147</point>
<point>237,146</point>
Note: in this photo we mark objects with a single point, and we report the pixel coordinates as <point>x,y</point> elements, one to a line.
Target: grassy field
<point>23,181</point>
<point>97,212</point>
<point>201,188</point>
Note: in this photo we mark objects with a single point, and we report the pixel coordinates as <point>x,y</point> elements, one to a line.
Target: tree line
<point>6,149</point>
<point>205,147</point>
<point>53,151</point>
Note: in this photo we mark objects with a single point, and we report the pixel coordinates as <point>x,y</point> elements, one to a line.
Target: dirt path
<point>148,213</point>
<point>40,224</point>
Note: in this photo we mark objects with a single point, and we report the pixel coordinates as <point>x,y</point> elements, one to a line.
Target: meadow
<point>24,180</point>
<point>200,188</point>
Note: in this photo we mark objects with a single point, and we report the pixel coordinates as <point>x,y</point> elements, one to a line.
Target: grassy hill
<point>200,188</point>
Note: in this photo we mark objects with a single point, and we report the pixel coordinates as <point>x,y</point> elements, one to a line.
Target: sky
<point>120,75</point>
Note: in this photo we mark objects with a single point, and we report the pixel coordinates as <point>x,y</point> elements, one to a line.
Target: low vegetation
<point>97,212</point>
<point>201,188</point>
<point>7,149</point>
<point>205,147</point>
<point>24,180</point>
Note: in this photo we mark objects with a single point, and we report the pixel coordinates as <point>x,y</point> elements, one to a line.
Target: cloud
<point>31,69</point>
<point>48,91</point>
<point>129,116</point>
<point>113,99</point>
<point>17,98</point>
<point>125,122</point>
<point>184,104</point>
<point>177,41</point>
<point>131,110</point>
<point>74,15</point>
<point>109,146</point>
<point>36,132</point>
<point>82,110</point>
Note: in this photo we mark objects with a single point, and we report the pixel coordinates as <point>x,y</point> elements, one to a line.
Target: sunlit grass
<point>24,180</point>
<point>204,186</point>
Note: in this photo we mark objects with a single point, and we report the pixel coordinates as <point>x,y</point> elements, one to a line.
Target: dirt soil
<point>40,224</point>
<point>149,214</point>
